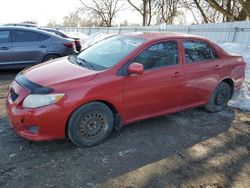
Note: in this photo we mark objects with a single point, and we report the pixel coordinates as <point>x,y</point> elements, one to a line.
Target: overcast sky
<point>43,11</point>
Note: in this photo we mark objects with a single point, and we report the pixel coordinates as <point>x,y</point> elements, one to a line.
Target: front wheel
<point>50,57</point>
<point>90,124</point>
<point>219,98</point>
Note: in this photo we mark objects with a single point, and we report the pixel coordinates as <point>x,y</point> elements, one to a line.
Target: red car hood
<point>56,72</point>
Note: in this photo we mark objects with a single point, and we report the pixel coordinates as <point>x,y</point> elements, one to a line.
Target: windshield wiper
<point>83,62</point>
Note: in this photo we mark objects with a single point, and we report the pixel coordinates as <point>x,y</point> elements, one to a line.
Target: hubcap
<point>221,98</point>
<point>92,125</point>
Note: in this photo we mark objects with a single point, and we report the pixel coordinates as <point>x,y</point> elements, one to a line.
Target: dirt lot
<point>188,149</point>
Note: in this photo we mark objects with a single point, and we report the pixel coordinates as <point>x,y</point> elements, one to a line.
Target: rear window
<point>29,36</point>
<point>4,36</point>
<point>198,51</point>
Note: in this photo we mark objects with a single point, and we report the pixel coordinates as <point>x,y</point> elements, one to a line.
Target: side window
<point>43,37</point>
<point>159,55</point>
<point>28,36</point>
<point>60,34</point>
<point>198,51</point>
<point>4,36</point>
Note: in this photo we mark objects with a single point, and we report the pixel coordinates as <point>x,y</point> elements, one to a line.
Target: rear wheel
<point>90,124</point>
<point>219,98</point>
<point>50,57</point>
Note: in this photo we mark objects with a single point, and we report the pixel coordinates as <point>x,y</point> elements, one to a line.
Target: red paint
<point>135,97</point>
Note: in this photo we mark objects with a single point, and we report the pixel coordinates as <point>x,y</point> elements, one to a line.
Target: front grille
<point>13,95</point>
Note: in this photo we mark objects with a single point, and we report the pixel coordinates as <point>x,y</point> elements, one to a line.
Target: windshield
<point>110,51</point>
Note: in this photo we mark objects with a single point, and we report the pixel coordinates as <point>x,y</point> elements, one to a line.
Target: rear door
<point>29,47</point>
<point>5,47</point>
<point>201,72</point>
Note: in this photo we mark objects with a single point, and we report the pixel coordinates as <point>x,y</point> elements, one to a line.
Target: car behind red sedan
<point>118,81</point>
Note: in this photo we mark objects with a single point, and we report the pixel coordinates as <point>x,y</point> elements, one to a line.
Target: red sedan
<point>120,80</point>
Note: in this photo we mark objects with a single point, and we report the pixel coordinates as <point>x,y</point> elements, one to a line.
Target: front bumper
<point>49,121</point>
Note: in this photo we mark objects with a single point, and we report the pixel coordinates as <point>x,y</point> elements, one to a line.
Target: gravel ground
<point>188,149</point>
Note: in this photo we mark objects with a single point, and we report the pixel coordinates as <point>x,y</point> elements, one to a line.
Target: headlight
<point>37,100</point>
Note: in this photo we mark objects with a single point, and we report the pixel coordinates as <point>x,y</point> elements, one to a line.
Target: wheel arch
<point>107,103</point>
<point>227,80</point>
<point>48,54</point>
<point>230,82</point>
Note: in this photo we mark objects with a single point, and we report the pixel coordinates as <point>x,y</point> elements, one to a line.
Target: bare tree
<point>167,10</point>
<point>145,9</point>
<point>53,23</point>
<point>246,7</point>
<point>220,10</point>
<point>232,9</point>
<point>105,9</point>
<point>79,18</point>
<point>202,11</point>
<point>72,20</point>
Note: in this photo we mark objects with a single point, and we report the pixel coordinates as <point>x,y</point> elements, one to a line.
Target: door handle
<point>218,67</point>
<point>177,74</point>
<point>4,48</point>
<point>42,46</point>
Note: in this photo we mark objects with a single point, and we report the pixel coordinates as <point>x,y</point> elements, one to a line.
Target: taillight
<point>69,45</point>
<point>77,41</point>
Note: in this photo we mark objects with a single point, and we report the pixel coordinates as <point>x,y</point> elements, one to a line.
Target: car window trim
<point>201,61</point>
<point>163,67</point>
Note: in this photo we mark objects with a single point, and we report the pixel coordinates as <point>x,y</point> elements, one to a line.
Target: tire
<point>219,98</point>
<point>50,57</point>
<point>90,124</point>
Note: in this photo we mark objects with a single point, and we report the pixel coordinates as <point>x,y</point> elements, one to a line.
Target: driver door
<point>159,89</point>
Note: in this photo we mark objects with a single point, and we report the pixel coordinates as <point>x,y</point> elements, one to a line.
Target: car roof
<point>21,24</point>
<point>18,27</point>
<point>50,29</point>
<point>162,35</point>
<point>26,29</point>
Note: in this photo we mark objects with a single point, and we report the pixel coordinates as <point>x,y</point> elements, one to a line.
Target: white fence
<point>238,32</point>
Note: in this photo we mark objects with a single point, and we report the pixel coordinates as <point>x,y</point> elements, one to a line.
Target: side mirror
<point>135,68</point>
